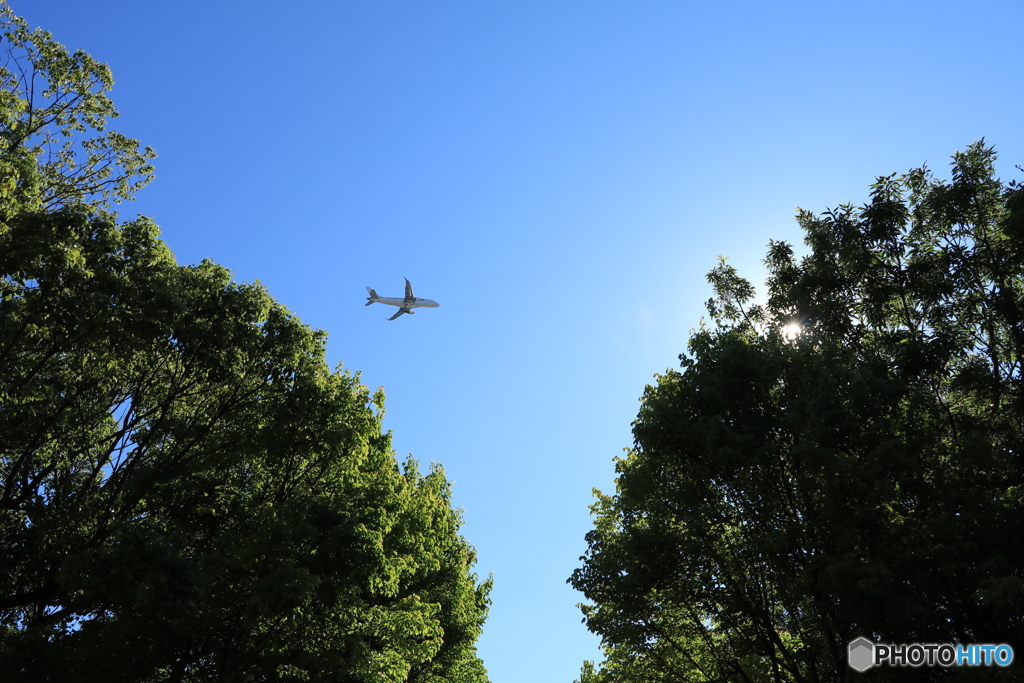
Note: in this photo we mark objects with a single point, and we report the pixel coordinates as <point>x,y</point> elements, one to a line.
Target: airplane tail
<point>372,299</point>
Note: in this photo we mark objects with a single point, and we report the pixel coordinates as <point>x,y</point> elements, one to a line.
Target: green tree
<point>50,100</point>
<point>841,461</point>
<point>187,491</point>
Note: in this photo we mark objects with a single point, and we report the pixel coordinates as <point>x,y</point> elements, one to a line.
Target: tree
<point>187,491</point>
<point>49,100</point>
<point>843,460</point>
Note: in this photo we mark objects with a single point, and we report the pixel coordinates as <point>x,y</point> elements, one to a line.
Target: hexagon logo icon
<point>861,654</point>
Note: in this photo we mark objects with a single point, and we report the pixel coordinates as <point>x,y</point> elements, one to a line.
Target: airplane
<point>404,305</point>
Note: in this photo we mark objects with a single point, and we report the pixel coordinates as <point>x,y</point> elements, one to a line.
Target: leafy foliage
<point>187,491</point>
<point>49,100</point>
<point>789,492</point>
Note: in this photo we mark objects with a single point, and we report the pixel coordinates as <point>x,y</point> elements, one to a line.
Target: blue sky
<point>560,176</point>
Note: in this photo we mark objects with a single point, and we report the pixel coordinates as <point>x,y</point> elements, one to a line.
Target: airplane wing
<point>409,296</point>
<point>401,310</point>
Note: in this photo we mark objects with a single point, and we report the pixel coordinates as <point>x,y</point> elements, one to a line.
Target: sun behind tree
<point>788,494</point>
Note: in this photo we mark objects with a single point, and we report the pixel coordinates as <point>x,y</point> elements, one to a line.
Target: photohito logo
<point>863,654</point>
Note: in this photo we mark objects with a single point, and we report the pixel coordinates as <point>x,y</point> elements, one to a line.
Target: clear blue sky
<point>558,175</point>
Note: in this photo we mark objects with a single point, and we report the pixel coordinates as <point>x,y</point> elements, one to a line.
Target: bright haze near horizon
<point>559,176</point>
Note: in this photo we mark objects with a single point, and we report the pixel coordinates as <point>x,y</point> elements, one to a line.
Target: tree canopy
<point>842,460</point>
<point>50,100</point>
<point>187,491</point>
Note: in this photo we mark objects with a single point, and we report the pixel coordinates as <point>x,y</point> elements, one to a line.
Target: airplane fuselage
<point>401,303</point>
